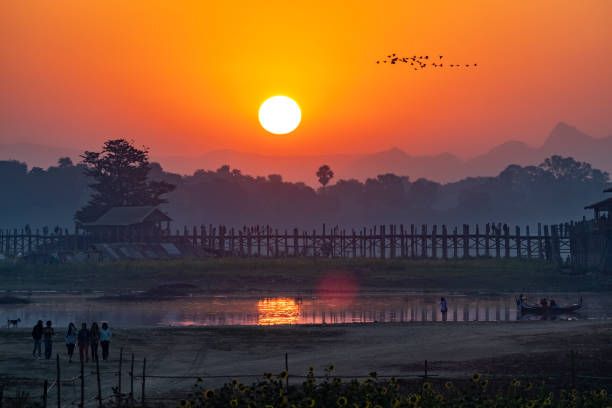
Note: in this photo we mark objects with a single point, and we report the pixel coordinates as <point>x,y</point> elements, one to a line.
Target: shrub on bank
<point>333,392</point>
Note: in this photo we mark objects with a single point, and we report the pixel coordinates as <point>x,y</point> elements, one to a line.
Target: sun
<point>280,115</point>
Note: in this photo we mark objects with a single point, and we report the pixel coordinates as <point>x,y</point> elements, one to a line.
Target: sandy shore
<point>452,349</point>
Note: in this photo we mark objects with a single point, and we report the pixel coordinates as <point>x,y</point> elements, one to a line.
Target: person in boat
<point>543,302</point>
<point>553,304</point>
<point>520,301</point>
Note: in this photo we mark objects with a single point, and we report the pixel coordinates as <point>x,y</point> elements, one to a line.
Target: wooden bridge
<point>550,242</point>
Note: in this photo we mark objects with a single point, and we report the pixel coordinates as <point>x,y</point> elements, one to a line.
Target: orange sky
<point>190,78</point>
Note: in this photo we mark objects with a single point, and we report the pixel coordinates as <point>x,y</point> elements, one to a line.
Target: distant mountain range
<point>563,140</point>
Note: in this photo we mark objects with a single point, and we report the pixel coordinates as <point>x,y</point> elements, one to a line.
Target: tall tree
<point>325,174</point>
<point>120,178</point>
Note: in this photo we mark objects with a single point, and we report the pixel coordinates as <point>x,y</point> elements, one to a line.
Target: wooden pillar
<point>354,244</point>
<point>486,240</point>
<point>528,238</point>
<point>540,246</point>
<point>444,243</point>
<point>497,241</point>
<point>466,241</point>
<point>434,242</point>
<point>424,241</point>
<point>412,241</point>
<point>518,241</point>
<point>477,241</point>
<point>392,241</point>
<point>455,249</point>
<point>382,242</point>
<point>276,243</point>
<point>506,241</point>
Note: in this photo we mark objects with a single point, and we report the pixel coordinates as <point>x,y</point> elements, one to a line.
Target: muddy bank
<point>453,350</point>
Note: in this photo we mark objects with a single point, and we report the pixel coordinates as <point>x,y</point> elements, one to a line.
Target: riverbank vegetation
<point>302,275</point>
<point>332,391</point>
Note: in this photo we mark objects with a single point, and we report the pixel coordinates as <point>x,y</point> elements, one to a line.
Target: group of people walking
<point>86,339</point>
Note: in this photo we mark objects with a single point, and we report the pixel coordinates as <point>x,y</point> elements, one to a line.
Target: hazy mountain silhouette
<point>563,140</point>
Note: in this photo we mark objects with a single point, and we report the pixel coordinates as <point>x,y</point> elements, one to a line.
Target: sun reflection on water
<point>280,310</point>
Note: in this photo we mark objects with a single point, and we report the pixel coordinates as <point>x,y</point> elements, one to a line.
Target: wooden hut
<point>128,224</point>
<point>591,241</point>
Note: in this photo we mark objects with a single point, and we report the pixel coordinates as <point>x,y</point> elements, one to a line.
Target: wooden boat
<point>527,308</point>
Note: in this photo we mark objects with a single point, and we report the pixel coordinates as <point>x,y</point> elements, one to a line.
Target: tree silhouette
<point>325,174</point>
<point>120,172</point>
<point>64,162</point>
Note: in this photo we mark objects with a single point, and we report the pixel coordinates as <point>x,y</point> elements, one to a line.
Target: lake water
<point>287,309</point>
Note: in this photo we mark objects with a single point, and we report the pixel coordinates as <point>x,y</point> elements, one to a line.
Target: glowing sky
<point>189,77</point>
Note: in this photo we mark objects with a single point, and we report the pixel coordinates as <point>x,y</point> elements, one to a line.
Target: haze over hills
<point>563,140</point>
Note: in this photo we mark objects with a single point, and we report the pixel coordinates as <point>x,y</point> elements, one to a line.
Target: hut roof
<point>605,205</point>
<point>124,216</point>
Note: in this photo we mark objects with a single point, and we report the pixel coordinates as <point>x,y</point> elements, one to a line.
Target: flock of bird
<point>423,61</point>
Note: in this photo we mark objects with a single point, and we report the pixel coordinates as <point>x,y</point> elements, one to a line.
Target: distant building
<point>591,240</point>
<point>128,224</point>
<point>602,208</point>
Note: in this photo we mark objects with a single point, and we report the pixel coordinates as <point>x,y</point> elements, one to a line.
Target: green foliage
<point>324,174</point>
<point>119,173</point>
<point>332,391</point>
<point>472,274</point>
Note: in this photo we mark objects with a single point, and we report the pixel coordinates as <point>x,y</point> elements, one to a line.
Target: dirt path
<point>453,349</point>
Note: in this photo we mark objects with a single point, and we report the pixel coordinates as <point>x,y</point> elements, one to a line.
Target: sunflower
<point>311,403</point>
<point>384,390</point>
<point>529,387</point>
<point>234,403</point>
<point>183,403</point>
<point>448,385</point>
<point>426,386</point>
<point>208,394</point>
<point>342,401</point>
<point>516,383</point>
<point>331,367</point>
<point>603,393</point>
<point>200,379</point>
<point>396,403</point>
<point>476,377</point>
<point>283,375</point>
<point>373,374</point>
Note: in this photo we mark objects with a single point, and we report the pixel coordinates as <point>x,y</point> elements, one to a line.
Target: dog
<point>12,322</point>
